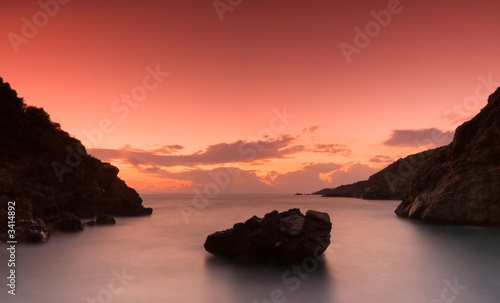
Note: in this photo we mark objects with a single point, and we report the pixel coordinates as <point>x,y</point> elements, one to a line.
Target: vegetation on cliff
<point>49,174</point>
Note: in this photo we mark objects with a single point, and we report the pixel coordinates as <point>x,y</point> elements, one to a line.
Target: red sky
<point>288,94</point>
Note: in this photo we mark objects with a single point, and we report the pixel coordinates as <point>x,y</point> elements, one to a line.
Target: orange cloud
<point>235,152</point>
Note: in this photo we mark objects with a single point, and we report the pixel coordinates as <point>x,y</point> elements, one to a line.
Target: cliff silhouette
<point>388,184</point>
<point>460,184</point>
<point>50,176</point>
<point>454,184</point>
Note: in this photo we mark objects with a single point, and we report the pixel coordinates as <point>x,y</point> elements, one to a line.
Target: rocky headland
<point>387,184</point>
<point>454,184</point>
<point>460,183</point>
<point>286,237</point>
<point>51,178</point>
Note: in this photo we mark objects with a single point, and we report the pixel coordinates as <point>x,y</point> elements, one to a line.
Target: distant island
<point>455,184</point>
<point>51,178</point>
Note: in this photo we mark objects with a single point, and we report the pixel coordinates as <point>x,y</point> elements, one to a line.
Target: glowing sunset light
<point>283,96</point>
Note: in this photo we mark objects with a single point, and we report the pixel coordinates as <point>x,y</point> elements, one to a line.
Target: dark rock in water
<point>104,219</point>
<point>460,183</point>
<point>49,173</point>
<point>286,237</point>
<point>90,223</point>
<point>32,231</point>
<point>69,222</point>
<point>27,229</point>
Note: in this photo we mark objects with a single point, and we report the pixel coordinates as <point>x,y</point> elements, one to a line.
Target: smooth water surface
<point>374,257</point>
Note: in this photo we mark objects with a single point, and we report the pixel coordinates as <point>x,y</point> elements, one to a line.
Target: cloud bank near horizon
<point>196,169</point>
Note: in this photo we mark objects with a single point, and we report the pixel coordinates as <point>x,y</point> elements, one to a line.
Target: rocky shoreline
<point>454,184</point>
<point>50,176</point>
<point>460,184</point>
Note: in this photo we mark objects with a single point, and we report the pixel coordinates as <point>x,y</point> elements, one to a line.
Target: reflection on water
<point>374,257</point>
<point>249,282</point>
<point>469,254</point>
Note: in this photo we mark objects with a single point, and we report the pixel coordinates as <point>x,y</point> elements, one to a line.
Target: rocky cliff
<point>460,183</point>
<point>388,184</point>
<point>455,184</point>
<point>50,176</point>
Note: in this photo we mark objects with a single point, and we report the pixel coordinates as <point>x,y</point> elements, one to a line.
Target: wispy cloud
<point>235,152</point>
<point>308,178</point>
<point>381,159</point>
<point>189,171</point>
<point>250,152</point>
<point>236,180</point>
<point>428,137</point>
<point>332,149</point>
<point>310,130</point>
<point>166,149</point>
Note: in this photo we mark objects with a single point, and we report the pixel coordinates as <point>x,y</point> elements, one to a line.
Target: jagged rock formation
<point>50,176</point>
<point>286,237</point>
<point>460,183</point>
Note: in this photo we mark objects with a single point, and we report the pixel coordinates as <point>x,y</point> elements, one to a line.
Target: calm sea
<point>374,257</point>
